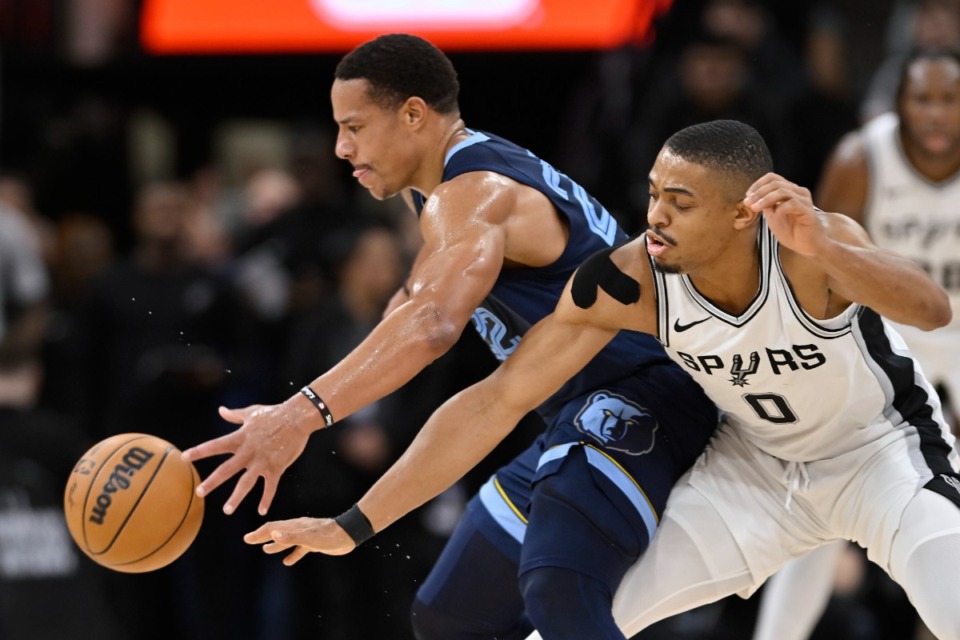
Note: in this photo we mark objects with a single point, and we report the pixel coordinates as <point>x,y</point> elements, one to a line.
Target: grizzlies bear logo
<point>617,423</point>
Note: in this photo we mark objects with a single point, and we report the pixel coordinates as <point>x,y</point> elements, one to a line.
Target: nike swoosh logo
<point>680,328</point>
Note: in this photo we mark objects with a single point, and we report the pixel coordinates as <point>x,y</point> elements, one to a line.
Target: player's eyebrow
<point>679,190</point>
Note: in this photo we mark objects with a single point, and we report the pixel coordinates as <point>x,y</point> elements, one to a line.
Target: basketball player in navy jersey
<point>899,176</point>
<point>503,232</point>
<point>829,430</point>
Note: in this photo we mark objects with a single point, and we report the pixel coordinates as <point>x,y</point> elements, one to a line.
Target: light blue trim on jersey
<point>555,453</point>
<point>602,224</point>
<point>617,476</point>
<point>496,503</point>
<point>473,139</point>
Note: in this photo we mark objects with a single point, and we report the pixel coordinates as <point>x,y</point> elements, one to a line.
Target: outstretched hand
<point>268,441</point>
<point>303,535</point>
<point>789,211</point>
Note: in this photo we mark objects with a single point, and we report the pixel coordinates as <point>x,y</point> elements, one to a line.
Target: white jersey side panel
<point>800,389</point>
<point>919,219</point>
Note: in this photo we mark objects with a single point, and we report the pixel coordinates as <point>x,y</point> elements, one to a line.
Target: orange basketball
<point>131,503</point>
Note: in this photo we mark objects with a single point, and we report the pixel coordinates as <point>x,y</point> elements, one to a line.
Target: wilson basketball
<point>131,503</point>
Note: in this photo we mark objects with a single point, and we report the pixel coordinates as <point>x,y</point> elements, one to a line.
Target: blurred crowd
<point>160,257</point>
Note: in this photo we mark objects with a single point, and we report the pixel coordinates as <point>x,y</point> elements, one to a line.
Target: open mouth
<point>657,244</point>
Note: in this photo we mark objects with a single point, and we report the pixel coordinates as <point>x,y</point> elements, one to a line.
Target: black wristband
<point>356,525</point>
<point>318,403</point>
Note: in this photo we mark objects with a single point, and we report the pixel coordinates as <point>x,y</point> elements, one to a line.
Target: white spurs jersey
<point>908,213</point>
<point>800,389</point>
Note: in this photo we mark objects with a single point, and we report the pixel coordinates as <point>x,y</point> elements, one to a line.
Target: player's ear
<point>414,112</point>
<point>744,216</point>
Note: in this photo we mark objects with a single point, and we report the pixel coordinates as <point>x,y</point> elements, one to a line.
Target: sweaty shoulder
<point>532,232</point>
<point>844,183</point>
<point>476,195</point>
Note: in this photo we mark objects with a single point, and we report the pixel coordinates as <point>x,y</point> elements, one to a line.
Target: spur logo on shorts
<point>617,423</point>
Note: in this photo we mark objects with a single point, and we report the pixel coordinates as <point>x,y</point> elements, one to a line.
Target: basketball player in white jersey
<point>829,431</point>
<point>899,176</point>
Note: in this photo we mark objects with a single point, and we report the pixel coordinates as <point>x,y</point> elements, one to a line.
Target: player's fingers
<point>269,491</point>
<point>229,468</point>
<point>759,192</point>
<point>236,416</point>
<point>768,200</point>
<point>766,180</point>
<point>263,533</point>
<point>215,447</point>
<point>772,189</point>
<point>275,547</point>
<point>295,556</point>
<point>246,482</point>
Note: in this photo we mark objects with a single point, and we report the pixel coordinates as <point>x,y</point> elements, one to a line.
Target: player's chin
<point>377,193</point>
<point>667,267</point>
<point>382,192</point>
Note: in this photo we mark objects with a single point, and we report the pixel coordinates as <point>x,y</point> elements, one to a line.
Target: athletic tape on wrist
<point>318,403</point>
<point>355,523</point>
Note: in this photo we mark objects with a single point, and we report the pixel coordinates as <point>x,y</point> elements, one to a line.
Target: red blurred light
<point>302,26</point>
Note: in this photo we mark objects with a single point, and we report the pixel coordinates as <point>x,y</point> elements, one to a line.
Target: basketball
<point>131,503</point>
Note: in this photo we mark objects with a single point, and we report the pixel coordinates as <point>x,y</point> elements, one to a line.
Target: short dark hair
<point>728,146</point>
<point>399,66</point>
<point>917,55</point>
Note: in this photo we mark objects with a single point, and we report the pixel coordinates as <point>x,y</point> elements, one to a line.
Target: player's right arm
<point>831,261</point>
<point>464,228</point>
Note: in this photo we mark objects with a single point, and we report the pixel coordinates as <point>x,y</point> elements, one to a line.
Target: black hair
<point>727,146</point>
<point>399,66</point>
<point>917,55</point>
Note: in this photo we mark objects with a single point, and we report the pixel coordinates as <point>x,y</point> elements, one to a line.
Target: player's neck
<point>449,133</point>
<point>731,282</point>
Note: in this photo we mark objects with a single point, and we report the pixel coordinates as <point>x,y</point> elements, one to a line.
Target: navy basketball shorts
<point>604,467</point>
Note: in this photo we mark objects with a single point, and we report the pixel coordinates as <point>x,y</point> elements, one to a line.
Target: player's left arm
<point>603,298</point>
<point>458,435</point>
<point>855,269</point>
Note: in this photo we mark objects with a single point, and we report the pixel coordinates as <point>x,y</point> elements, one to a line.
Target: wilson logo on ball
<point>131,503</point>
<point>119,480</point>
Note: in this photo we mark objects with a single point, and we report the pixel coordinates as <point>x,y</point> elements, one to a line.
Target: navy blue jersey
<point>523,296</point>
